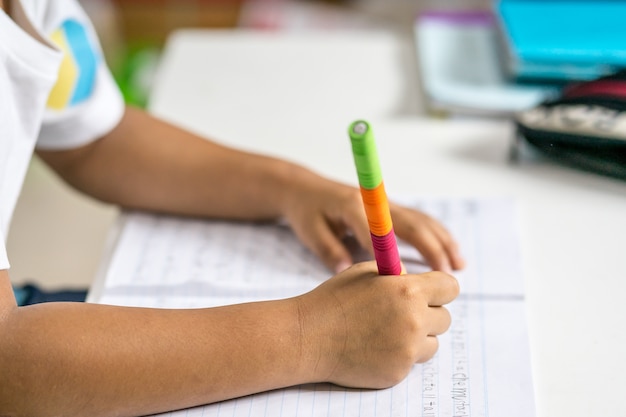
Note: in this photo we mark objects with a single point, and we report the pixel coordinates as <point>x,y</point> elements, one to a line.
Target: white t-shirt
<point>55,90</point>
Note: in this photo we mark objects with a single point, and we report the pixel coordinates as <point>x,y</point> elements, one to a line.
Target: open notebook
<point>482,367</point>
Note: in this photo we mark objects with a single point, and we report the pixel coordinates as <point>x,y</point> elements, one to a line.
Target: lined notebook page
<point>482,367</point>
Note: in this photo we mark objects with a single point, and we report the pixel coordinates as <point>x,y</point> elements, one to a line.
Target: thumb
<point>318,236</point>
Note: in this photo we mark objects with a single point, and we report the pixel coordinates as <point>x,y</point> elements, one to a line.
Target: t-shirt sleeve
<point>85,103</point>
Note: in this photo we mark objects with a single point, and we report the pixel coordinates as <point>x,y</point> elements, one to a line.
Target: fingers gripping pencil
<point>374,198</point>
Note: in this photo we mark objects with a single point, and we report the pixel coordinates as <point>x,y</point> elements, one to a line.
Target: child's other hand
<point>360,329</point>
<point>321,212</point>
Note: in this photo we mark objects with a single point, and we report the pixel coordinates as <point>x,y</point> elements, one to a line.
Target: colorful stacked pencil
<point>374,198</point>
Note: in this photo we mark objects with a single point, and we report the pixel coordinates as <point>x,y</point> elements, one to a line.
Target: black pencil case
<point>584,127</point>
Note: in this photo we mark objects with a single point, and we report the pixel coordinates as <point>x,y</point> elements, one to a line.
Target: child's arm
<point>149,164</point>
<point>357,329</point>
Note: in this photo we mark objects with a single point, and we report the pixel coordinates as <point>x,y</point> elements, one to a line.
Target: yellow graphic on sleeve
<point>62,91</point>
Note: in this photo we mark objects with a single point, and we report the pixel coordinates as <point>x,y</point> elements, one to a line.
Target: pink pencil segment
<point>386,254</point>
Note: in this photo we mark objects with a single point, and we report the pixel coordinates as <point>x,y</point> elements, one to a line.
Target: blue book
<point>563,39</point>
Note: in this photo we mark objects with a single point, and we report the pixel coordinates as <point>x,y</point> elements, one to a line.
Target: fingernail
<point>342,266</point>
<point>459,261</point>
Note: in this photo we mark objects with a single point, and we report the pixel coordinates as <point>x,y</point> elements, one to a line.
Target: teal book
<point>563,39</point>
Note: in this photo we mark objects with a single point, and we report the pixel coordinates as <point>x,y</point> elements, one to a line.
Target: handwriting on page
<point>481,368</point>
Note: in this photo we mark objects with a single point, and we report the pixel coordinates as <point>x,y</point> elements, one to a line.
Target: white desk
<point>243,91</point>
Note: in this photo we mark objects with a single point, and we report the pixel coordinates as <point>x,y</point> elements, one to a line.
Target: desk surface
<point>236,88</point>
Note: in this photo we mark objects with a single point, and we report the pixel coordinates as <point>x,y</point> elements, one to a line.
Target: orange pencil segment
<point>377,210</point>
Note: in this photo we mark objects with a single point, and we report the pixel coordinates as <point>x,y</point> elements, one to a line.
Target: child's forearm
<point>82,359</point>
<point>149,164</point>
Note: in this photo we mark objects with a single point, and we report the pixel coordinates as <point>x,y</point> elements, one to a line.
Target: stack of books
<point>517,54</point>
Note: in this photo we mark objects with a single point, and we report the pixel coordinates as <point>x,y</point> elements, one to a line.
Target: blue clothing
<point>21,294</point>
<point>31,294</point>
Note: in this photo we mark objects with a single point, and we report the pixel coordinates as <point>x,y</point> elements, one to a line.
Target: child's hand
<point>360,329</point>
<point>321,212</point>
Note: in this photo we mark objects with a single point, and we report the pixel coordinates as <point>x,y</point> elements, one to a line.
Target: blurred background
<point>58,236</point>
